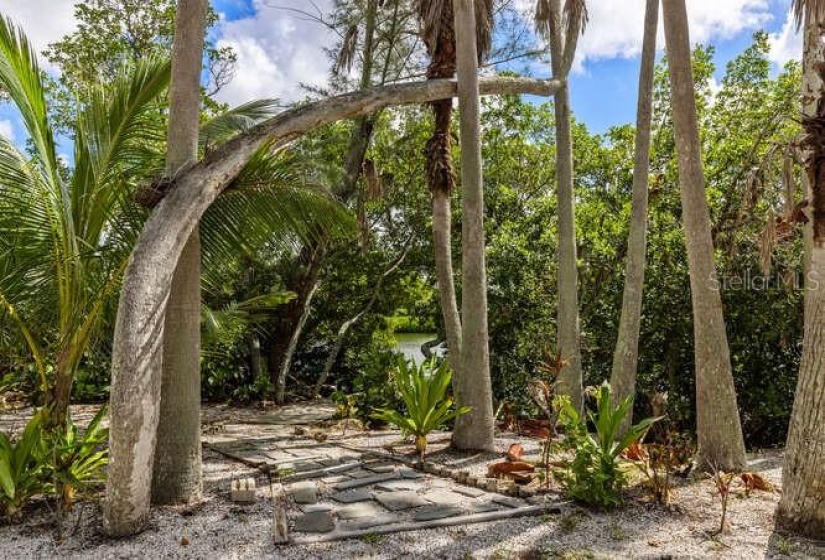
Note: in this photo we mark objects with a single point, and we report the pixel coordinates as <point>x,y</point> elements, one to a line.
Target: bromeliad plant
<point>594,475</point>
<point>73,461</point>
<point>423,389</point>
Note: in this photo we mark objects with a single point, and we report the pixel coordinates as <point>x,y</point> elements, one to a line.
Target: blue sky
<point>278,50</point>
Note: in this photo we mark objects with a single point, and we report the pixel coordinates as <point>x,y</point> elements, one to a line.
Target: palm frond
<point>21,79</point>
<point>236,121</point>
<point>815,8</point>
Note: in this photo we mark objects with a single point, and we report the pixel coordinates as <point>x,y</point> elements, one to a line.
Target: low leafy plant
<point>72,461</point>
<point>423,388</point>
<point>594,475</point>
<point>21,474</point>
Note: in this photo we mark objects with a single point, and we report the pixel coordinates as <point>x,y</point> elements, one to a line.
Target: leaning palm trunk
<point>475,429</point>
<point>147,280</point>
<point>802,507</point>
<point>626,355</point>
<point>177,464</point>
<point>718,427</point>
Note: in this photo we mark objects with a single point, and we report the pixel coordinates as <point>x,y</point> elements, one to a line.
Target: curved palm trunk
<point>802,506</point>
<point>475,429</point>
<point>626,355</point>
<point>718,427</point>
<point>136,352</point>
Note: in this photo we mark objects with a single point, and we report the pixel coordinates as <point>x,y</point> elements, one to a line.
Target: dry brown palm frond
<point>545,18</point>
<point>346,55</point>
<point>431,17</point>
<point>484,27</point>
<point>575,17</point>
<point>815,7</point>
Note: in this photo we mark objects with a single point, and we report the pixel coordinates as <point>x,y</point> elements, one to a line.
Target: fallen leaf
<point>184,541</point>
<point>755,481</point>
<point>515,452</point>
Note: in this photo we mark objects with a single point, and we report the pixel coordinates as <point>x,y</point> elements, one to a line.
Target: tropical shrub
<point>72,461</point>
<point>594,475</point>
<point>21,472</point>
<point>423,389</point>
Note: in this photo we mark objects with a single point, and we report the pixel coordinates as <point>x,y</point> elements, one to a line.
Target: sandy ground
<point>218,528</point>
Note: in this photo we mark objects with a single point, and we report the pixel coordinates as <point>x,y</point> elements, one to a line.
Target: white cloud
<point>616,28</point>
<point>44,21</point>
<point>7,130</point>
<point>786,45</point>
<point>277,51</point>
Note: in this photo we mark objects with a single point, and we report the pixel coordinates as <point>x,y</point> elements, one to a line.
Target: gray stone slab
<point>359,482</point>
<point>437,511</point>
<point>411,474</point>
<point>361,473</point>
<point>369,522</point>
<point>315,522</point>
<point>380,467</point>
<point>358,510</point>
<point>308,508</point>
<point>304,492</point>
<point>400,500</point>
<point>307,465</point>
<point>468,491</point>
<point>335,479</point>
<point>483,507</point>
<point>393,485</point>
<point>360,495</point>
<point>444,497</point>
<point>441,483</point>
<point>508,501</point>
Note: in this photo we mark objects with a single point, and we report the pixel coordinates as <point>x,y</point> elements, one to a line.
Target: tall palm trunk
<point>473,430</point>
<point>802,506</point>
<point>176,476</point>
<point>441,180</point>
<point>562,50</point>
<point>626,355</point>
<point>718,426</point>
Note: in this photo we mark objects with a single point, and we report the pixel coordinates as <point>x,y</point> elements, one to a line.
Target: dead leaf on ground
<point>755,481</point>
<point>515,452</point>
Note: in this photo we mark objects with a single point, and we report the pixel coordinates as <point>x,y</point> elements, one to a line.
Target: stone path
<point>335,491</point>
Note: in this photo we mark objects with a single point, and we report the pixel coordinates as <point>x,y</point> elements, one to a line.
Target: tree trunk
<point>255,358</point>
<point>441,180</point>
<point>475,429</point>
<point>802,506</point>
<point>348,324</point>
<point>136,351</point>
<point>569,380</point>
<point>719,430</point>
<point>626,355</point>
<point>286,365</point>
<point>177,464</point>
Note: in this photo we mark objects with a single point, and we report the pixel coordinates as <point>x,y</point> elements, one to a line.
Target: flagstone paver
<point>400,500</point>
<point>352,496</point>
<point>436,511</point>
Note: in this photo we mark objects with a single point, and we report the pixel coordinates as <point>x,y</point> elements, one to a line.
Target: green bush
<point>52,462</point>
<point>21,467</point>
<point>594,476</point>
<point>424,391</point>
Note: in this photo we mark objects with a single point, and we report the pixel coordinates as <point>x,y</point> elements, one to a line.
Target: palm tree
<point>562,27</point>
<point>438,33</point>
<point>176,476</point>
<point>718,427</point>
<point>803,494</point>
<point>473,430</point>
<point>65,235</point>
<point>626,355</point>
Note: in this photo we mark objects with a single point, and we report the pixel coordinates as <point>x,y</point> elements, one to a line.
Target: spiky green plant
<point>20,468</point>
<point>423,388</point>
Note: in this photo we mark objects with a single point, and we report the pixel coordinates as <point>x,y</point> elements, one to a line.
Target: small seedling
<point>372,538</point>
